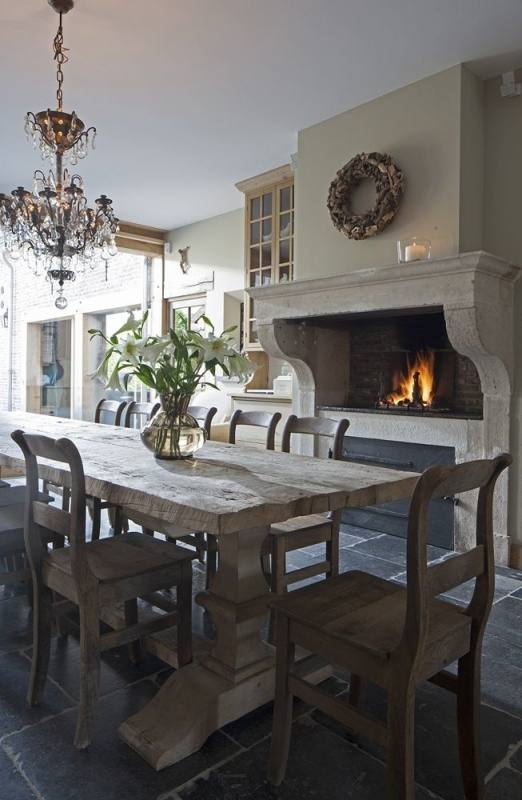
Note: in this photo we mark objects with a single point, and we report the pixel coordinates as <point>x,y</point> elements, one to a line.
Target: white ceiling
<point>191,96</point>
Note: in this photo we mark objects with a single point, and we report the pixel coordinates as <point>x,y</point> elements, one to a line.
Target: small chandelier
<point>52,227</point>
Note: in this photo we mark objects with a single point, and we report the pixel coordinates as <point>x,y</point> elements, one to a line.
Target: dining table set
<point>236,494</point>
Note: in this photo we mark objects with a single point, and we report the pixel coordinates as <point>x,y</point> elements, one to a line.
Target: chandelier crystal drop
<point>52,227</point>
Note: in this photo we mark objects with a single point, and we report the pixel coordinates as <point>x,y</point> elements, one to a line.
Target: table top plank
<point>223,489</point>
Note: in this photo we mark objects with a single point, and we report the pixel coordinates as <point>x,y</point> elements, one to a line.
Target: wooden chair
<point>107,412</point>
<point>94,575</point>
<point>398,637</point>
<point>257,419</point>
<point>204,416</point>
<point>300,532</point>
<point>139,413</point>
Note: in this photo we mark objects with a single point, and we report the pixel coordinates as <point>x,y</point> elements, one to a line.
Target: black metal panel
<point>392,518</point>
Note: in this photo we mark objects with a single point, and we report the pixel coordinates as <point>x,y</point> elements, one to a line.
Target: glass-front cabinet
<point>269,236</point>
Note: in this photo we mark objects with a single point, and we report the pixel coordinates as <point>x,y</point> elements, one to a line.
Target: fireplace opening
<point>394,363</point>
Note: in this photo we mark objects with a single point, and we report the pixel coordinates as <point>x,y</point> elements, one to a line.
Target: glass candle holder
<point>413,249</point>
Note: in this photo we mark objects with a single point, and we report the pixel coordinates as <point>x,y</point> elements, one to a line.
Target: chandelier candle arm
<point>53,227</point>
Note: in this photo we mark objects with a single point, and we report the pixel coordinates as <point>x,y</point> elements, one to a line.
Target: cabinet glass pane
<point>252,334</point>
<point>285,198</point>
<point>267,229</point>
<point>267,277</point>
<point>267,204</point>
<point>284,251</point>
<point>266,255</point>
<point>284,274</point>
<point>254,257</point>
<point>254,232</point>
<point>255,208</point>
<point>255,278</point>
<point>285,225</point>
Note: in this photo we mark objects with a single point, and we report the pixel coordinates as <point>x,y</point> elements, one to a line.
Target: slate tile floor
<point>37,759</point>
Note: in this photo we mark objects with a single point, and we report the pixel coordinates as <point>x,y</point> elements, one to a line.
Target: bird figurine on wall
<point>184,260</point>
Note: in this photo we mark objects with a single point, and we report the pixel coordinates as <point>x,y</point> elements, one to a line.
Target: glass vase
<point>172,432</point>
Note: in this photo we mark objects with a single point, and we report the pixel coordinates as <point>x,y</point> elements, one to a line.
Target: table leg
<point>237,675</point>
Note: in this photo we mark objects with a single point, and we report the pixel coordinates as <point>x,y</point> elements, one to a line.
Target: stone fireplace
<point>357,340</point>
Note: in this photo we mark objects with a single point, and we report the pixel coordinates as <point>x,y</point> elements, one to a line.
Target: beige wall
<point>503,236</point>
<point>419,126</point>
<point>216,243</point>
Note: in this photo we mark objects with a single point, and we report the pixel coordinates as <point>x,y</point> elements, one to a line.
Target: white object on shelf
<point>283,385</point>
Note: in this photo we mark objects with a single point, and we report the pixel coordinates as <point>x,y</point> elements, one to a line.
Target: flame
<point>402,393</point>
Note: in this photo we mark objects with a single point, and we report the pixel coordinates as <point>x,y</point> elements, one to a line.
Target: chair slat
<point>456,570</point>
<point>52,518</point>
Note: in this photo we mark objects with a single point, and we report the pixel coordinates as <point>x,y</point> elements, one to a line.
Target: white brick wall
<point>33,302</point>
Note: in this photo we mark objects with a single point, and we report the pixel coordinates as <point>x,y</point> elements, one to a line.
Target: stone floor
<point>37,759</point>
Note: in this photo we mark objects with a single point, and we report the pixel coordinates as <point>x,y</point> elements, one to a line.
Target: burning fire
<point>420,374</point>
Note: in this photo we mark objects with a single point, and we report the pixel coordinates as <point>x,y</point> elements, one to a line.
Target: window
<point>49,349</point>
<point>186,313</point>
<point>93,390</point>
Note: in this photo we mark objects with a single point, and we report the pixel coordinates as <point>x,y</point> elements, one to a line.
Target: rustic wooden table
<point>235,493</point>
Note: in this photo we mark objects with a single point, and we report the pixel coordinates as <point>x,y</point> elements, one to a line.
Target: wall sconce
<point>5,318</point>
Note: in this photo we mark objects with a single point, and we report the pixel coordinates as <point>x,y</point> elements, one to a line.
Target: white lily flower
<point>152,351</point>
<point>131,348</point>
<point>114,381</point>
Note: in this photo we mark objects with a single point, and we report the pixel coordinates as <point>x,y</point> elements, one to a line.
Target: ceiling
<point>190,97</point>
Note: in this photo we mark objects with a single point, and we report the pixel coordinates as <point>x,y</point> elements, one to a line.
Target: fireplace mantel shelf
<point>453,268</point>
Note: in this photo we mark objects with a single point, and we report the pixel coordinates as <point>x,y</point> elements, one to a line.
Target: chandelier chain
<point>61,58</point>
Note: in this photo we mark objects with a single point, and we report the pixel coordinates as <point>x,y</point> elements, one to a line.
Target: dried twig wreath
<point>389,183</point>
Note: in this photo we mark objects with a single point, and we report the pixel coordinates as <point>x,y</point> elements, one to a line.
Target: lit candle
<point>415,252</point>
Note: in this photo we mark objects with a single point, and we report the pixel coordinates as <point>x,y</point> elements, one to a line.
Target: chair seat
<point>368,613</point>
<point>121,557</point>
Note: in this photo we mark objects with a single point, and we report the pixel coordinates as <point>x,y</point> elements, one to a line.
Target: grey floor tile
<point>257,725</point>
<point>13,786</point>
<point>502,686</point>
<point>503,586</point>
<point>109,769</point>
<point>14,711</point>
<point>360,533</point>
<point>352,559</point>
<point>505,785</point>
<point>393,549</point>
<point>321,766</point>
<point>16,625</point>
<point>117,670</point>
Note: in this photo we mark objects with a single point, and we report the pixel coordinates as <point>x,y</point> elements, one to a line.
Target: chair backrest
<point>426,582</point>
<point>333,429</point>
<point>109,408</point>
<point>137,414</point>
<point>40,515</point>
<point>203,415</point>
<point>258,419</point>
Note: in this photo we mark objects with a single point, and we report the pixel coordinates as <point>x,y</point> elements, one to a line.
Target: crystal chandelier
<point>52,227</point>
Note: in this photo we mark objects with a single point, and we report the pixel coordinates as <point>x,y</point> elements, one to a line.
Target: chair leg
<point>401,727</point>
<point>199,538</point>
<point>184,603</point>
<point>332,552</point>
<point>468,716</point>
<point>42,629</point>
<point>277,575</point>
<point>66,498</point>
<point>282,719</point>
<point>212,556</point>
<point>131,618</point>
<point>89,669</point>
<point>356,690</point>
<point>96,519</point>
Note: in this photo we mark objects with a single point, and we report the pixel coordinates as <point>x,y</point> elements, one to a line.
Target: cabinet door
<point>284,233</point>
